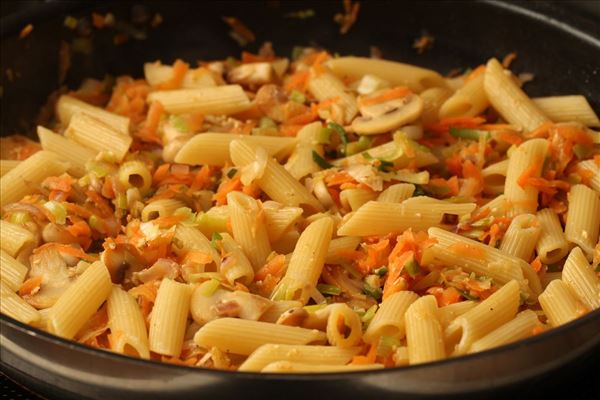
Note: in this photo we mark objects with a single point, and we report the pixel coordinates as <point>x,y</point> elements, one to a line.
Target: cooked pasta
<point>321,214</point>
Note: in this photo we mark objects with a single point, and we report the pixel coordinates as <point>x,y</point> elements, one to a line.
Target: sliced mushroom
<point>223,303</point>
<point>387,116</point>
<point>52,267</point>
<point>252,74</point>
<point>162,268</point>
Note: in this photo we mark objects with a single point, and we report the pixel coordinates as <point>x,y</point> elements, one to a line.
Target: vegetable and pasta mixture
<point>313,214</point>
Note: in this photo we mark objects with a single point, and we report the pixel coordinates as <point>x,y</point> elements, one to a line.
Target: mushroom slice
<point>252,74</point>
<point>223,303</point>
<point>387,116</point>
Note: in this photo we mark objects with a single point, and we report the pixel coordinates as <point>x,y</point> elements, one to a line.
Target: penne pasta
<point>169,318</point>
<point>293,367</point>
<point>521,237</point>
<point>306,263</point>
<point>276,182</point>
<point>77,304</point>
<point>325,86</point>
<point>12,272</point>
<point>509,100</point>
<point>527,159</point>
<point>389,318</point>
<point>560,304</point>
<point>315,355</point>
<point>424,335</point>
<point>221,100</point>
<point>396,193</point>
<point>416,78</point>
<point>580,277</point>
<point>583,221</point>
<point>93,133</point>
<point>193,152</point>
<point>521,327</point>
<point>68,106</point>
<point>552,244</point>
<point>69,150</point>
<point>14,306</point>
<point>468,101</point>
<point>27,176</point>
<point>249,228</point>
<point>568,109</point>
<point>235,265</point>
<point>127,326</point>
<point>240,336</point>
<point>484,318</point>
<point>7,165</point>
<point>378,218</point>
<point>14,238</point>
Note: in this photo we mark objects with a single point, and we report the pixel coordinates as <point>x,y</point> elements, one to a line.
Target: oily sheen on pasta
<point>310,214</point>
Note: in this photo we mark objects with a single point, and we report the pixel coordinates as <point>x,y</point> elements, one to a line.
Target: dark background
<point>582,382</point>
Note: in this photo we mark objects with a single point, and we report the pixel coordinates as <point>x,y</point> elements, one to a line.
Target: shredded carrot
<point>234,184</point>
<point>290,130</point>
<point>148,132</point>
<point>536,264</point>
<point>467,250</point>
<point>475,73</point>
<point>376,256</point>
<point>369,358</point>
<point>390,94</point>
<point>508,59</point>
<point>30,285</point>
<point>534,169</point>
<point>574,134</point>
<point>67,249</point>
<point>197,257</point>
<point>180,68</point>
<point>274,267</point>
<point>79,228</point>
<point>248,57</point>
<point>98,21</point>
<point>541,131</point>
<point>26,31</point>
<point>168,221</point>
<point>509,137</point>
<point>318,63</point>
<point>445,296</point>
<point>537,330</point>
<point>597,160</point>
<point>298,81</point>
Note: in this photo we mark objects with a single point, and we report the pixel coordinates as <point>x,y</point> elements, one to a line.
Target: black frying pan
<point>560,46</point>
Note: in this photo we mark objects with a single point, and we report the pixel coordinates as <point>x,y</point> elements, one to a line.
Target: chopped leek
<point>216,236</point>
<point>324,136</point>
<point>179,123</point>
<point>412,267</point>
<point>468,295</point>
<point>57,210</point>
<point>266,122</point>
<point>208,288</point>
<point>329,289</point>
<point>231,173</point>
<point>469,134</point>
<point>320,161</point>
<point>337,128</point>
<point>314,307</point>
<point>386,345</point>
<point>582,151</point>
<point>419,191</point>
<point>297,97</point>
<point>362,144</point>
<point>369,314</point>
<point>381,271</point>
<point>372,292</point>
<point>20,217</point>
